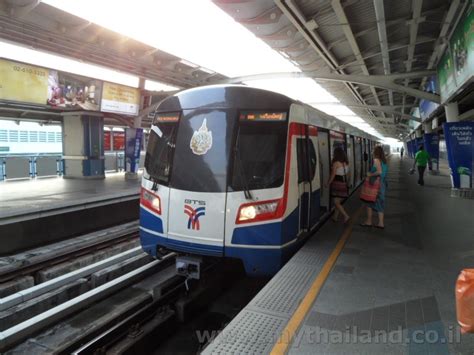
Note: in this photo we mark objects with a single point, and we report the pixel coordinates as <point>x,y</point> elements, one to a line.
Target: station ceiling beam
<point>382,81</point>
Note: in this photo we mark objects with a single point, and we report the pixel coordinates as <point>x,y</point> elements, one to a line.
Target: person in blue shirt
<point>380,168</point>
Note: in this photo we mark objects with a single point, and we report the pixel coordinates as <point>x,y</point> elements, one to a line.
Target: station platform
<point>44,210</point>
<point>355,289</point>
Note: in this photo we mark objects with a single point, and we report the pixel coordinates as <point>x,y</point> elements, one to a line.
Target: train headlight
<point>150,200</point>
<point>258,211</point>
<point>249,212</point>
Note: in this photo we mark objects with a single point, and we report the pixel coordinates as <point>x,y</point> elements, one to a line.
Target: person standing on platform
<point>338,182</point>
<point>379,169</point>
<point>402,150</point>
<point>422,159</point>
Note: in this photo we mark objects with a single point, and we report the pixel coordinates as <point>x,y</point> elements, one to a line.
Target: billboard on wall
<point>23,82</point>
<point>120,99</point>
<point>31,84</point>
<point>427,107</point>
<point>456,66</point>
<point>67,90</point>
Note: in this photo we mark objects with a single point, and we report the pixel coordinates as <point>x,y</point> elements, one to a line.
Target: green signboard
<point>456,66</point>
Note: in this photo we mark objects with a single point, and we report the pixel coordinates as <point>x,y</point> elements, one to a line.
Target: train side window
<point>302,160</point>
<point>312,160</point>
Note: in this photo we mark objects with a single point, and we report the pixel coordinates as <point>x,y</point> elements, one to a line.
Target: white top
<point>342,170</point>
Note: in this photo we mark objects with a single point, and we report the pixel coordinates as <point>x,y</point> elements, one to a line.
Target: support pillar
<point>83,149</point>
<point>133,142</point>
<point>431,144</point>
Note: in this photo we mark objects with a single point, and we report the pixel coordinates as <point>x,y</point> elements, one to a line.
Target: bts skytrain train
<point>239,172</point>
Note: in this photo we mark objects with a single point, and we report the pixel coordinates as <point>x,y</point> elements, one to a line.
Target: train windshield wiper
<point>243,177</point>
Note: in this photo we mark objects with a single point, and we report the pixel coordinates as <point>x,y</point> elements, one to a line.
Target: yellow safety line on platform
<point>287,335</point>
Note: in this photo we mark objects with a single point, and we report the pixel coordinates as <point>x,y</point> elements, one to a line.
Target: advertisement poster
<point>427,107</point>
<point>462,48</point>
<point>432,147</point>
<point>460,149</point>
<point>120,99</point>
<point>409,148</point>
<point>456,66</point>
<point>73,91</point>
<point>22,82</point>
<point>133,140</point>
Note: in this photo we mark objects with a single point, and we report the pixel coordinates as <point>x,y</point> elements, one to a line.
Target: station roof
<point>347,37</point>
<point>356,37</point>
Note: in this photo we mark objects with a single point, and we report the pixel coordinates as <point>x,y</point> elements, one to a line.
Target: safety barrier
<point>31,166</point>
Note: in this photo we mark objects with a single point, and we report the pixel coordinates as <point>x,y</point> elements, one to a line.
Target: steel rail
<point>38,290</point>
<point>19,332</point>
<point>46,260</point>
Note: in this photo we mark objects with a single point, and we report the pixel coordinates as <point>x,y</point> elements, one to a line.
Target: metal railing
<point>28,166</point>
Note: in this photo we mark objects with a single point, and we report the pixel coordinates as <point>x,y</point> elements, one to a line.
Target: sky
<point>203,34</point>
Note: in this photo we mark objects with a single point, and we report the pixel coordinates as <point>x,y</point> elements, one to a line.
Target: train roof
<point>231,95</point>
<point>225,96</point>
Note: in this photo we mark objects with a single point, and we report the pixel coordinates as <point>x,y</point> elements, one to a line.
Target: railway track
<point>33,310</point>
<point>30,262</point>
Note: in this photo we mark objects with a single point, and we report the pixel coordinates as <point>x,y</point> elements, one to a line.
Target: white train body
<point>237,172</point>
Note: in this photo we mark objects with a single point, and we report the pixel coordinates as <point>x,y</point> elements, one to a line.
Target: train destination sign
<point>167,117</point>
<point>263,116</point>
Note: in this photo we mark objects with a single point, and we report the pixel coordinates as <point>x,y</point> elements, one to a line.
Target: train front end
<point>214,177</point>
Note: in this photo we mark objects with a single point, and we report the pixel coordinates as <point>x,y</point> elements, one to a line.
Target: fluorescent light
<point>205,70</point>
<point>157,86</point>
<point>189,64</point>
<point>52,61</point>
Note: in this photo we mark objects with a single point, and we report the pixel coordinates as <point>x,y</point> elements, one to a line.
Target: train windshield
<point>194,151</point>
<point>259,158</point>
<point>159,153</point>
<point>203,147</point>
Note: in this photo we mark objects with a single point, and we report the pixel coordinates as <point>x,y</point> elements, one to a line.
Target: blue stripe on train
<point>257,261</point>
<point>276,233</point>
<point>150,221</point>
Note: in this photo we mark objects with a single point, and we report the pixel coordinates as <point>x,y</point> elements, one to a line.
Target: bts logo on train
<point>194,213</point>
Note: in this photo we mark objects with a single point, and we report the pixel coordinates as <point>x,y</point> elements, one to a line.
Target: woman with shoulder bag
<point>378,171</point>
<point>338,182</point>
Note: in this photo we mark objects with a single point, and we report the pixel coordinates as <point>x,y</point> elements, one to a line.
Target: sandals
<point>365,225</point>
<point>380,227</point>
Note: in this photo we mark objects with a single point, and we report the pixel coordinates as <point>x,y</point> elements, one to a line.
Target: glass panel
<point>33,136</point>
<point>312,160</point>
<point>24,136</point>
<point>42,137</point>
<point>259,160</point>
<point>3,135</point>
<point>203,147</point>
<point>13,136</point>
<point>160,150</point>
<point>51,137</point>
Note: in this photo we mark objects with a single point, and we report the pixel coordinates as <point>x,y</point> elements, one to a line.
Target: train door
<point>365,156</point>
<point>324,169</point>
<point>350,157</point>
<point>314,168</point>
<point>304,180</point>
<point>358,160</point>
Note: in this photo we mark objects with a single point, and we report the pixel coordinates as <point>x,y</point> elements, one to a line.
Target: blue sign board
<point>460,149</point>
<point>432,147</point>
<point>133,143</point>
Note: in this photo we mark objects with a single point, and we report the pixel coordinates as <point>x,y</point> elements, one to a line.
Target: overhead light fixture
<point>189,64</point>
<point>208,71</point>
